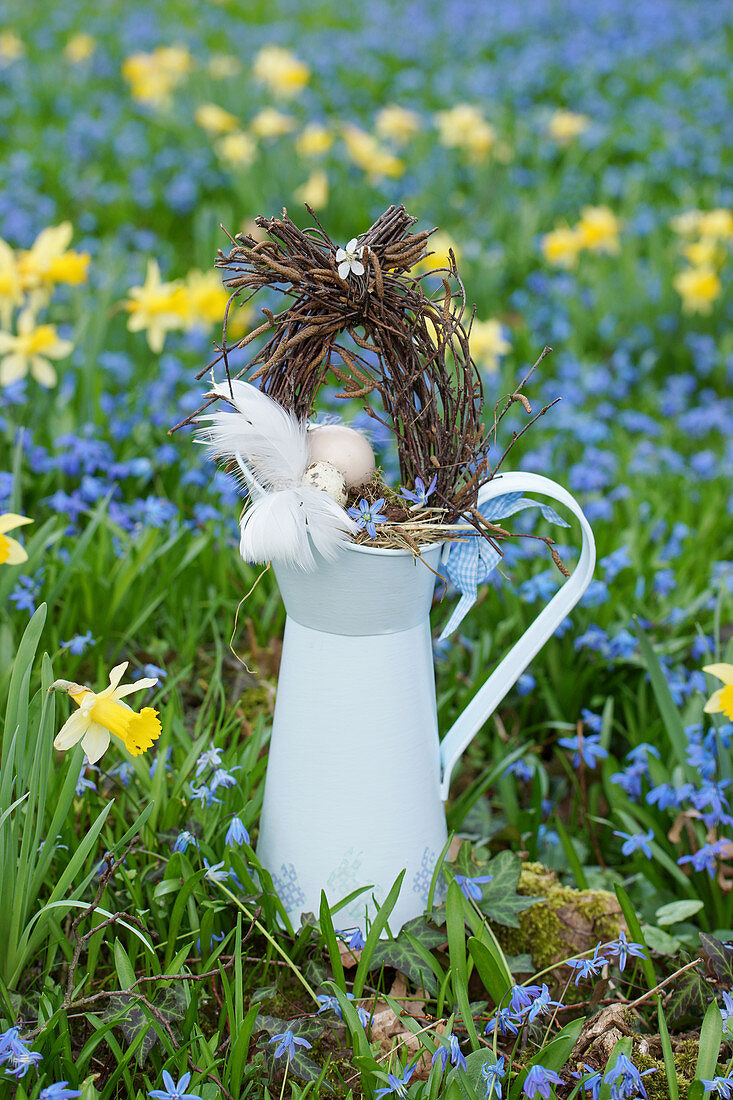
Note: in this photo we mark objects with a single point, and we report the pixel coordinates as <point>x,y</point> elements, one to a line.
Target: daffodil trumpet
<point>103,714</point>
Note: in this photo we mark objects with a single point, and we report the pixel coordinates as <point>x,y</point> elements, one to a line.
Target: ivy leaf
<point>505,870</point>
<point>424,932</point>
<point>132,1019</point>
<point>688,999</point>
<point>720,956</point>
<point>403,956</point>
<point>500,900</point>
<point>506,910</point>
<point>301,1066</point>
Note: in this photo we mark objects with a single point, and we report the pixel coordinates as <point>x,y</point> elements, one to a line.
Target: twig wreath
<point>362,316</point>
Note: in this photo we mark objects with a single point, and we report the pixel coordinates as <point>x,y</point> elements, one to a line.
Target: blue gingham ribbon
<point>469,562</point>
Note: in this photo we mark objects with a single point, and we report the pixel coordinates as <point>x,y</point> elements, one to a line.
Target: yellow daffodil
<point>204,299</point>
<point>30,351</point>
<point>11,293</point>
<point>148,84</point>
<point>79,48</point>
<point>215,120</point>
<point>704,253</point>
<point>11,552</point>
<point>11,46</point>
<point>370,156</point>
<point>101,714</point>
<point>698,287</point>
<point>687,224</point>
<point>314,191</point>
<point>397,123</point>
<point>487,343</point>
<point>598,229</point>
<point>280,70</point>
<point>438,245</point>
<point>153,76</point>
<point>716,224</point>
<point>464,127</point>
<point>50,261</point>
<point>313,140</point>
<point>156,306</point>
<point>175,60</point>
<point>269,123</point>
<point>238,149</point>
<point>223,66</point>
<point>565,126</point>
<point>721,701</point>
<point>561,246</point>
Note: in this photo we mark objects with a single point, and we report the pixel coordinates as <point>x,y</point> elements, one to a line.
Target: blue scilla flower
<point>540,1080</point>
<point>641,751</point>
<point>288,1043</point>
<point>615,562</point>
<point>352,937</point>
<point>332,1003</point>
<point>367,516</point>
<point>421,494</point>
<point>588,749</point>
<point>210,758</point>
<point>78,643</point>
<point>84,784</point>
<point>493,1074</point>
<point>636,842</point>
<point>20,1059</point>
<point>588,968</point>
<point>397,1085</point>
<point>726,1012</point>
<point>236,833</point>
<point>449,1048</point>
<point>704,858</point>
<point>623,949</point>
<point>507,1022</point>
<point>215,871</point>
<point>722,1085</point>
<point>183,840</point>
<point>58,1091</point>
<point>542,1004</point>
<point>471,887</point>
<point>522,997</point>
<point>521,768</point>
<point>205,794</point>
<point>629,780</point>
<point>594,722</point>
<point>223,778</point>
<point>625,1079</point>
<point>592,1083</point>
<point>173,1091</point>
<point>665,795</point>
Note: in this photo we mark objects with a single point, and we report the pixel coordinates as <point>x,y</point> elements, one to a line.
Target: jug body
<point>352,795</point>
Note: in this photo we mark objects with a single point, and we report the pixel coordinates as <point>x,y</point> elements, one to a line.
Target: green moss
<point>254,701</point>
<point>685,1062</point>
<point>566,922</point>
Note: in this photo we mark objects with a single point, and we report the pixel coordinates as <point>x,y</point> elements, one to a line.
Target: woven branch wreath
<point>406,348</point>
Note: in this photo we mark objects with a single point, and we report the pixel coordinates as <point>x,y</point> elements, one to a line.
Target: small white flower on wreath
<point>349,259</point>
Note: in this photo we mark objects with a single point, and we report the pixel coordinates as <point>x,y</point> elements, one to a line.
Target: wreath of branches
<point>383,338</point>
<point>378,334</point>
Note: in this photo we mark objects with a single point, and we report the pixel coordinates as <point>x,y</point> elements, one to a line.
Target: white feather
<point>285,526</point>
<point>269,439</point>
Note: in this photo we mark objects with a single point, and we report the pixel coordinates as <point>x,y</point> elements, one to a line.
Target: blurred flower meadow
<point>576,158</point>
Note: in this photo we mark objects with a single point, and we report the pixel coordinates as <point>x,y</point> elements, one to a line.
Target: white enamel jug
<point>357,773</point>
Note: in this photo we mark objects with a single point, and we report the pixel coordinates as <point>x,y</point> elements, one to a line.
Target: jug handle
<point>508,671</point>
